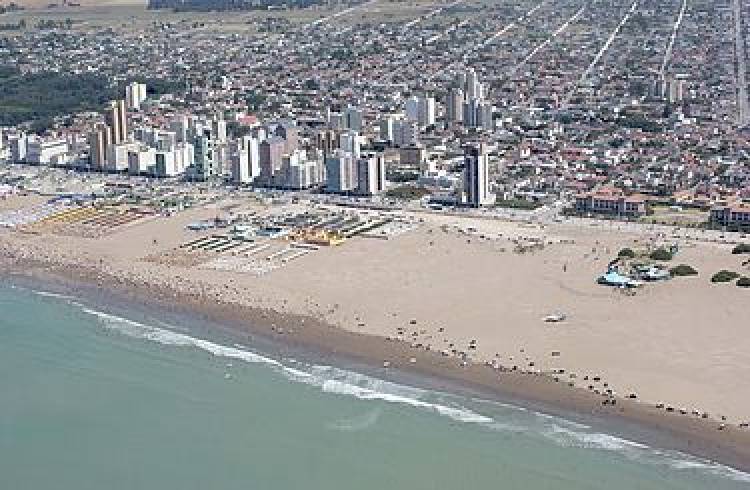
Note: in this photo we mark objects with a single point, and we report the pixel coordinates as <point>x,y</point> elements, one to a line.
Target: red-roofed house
<point>611,201</point>
<point>735,215</point>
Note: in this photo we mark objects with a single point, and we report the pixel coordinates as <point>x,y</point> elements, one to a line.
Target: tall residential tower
<point>476,177</point>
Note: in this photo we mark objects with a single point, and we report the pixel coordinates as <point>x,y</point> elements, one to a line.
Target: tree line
<point>221,5</point>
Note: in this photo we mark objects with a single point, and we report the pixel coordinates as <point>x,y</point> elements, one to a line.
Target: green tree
<point>661,254</point>
<point>724,276</point>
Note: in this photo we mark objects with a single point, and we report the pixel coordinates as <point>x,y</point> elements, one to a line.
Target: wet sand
<point>681,343</point>
<point>315,341</point>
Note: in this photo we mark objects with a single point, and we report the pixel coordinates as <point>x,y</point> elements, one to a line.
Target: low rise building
<point>734,215</point>
<point>611,202</point>
<point>41,152</point>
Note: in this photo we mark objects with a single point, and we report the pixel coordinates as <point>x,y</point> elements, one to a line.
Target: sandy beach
<point>455,298</point>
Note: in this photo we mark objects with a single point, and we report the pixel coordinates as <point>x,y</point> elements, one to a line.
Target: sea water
<point>93,400</point>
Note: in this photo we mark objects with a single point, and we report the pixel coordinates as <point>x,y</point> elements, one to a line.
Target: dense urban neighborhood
<point>630,110</point>
<point>420,244</point>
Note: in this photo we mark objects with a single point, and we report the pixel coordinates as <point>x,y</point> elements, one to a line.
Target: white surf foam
<point>348,383</point>
<point>680,462</point>
<point>594,440</point>
<point>169,337</point>
<point>561,421</point>
<point>641,453</point>
<point>328,379</point>
<point>48,294</point>
<point>341,388</point>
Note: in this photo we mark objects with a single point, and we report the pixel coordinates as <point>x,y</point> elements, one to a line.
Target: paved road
<point>743,108</point>
<point>672,39</point>
<point>602,51</point>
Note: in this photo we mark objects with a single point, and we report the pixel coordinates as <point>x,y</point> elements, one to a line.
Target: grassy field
<point>668,215</point>
<point>133,15</point>
<point>41,4</point>
<point>25,97</point>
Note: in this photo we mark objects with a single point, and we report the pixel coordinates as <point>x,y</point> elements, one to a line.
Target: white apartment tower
<point>427,111</point>
<point>386,128</point>
<point>466,103</point>
<point>476,177</point>
<point>421,110</point>
<point>117,120</point>
<point>454,105</point>
<point>473,88</point>
<point>180,125</point>
<point>99,140</point>
<point>245,160</point>
<point>135,93</point>
<point>371,174</point>
<point>349,142</point>
<point>340,172</point>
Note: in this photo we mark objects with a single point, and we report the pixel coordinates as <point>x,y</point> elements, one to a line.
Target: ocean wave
<point>358,422</point>
<point>641,453</point>
<point>163,336</point>
<point>680,462</point>
<point>327,378</point>
<point>349,383</point>
<point>593,440</point>
<point>561,422</point>
<point>343,382</point>
<point>461,415</point>
<point>48,294</point>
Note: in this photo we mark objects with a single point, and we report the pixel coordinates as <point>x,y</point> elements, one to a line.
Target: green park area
<point>37,98</point>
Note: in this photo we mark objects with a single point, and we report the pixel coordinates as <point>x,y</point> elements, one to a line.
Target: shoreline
<point>311,338</point>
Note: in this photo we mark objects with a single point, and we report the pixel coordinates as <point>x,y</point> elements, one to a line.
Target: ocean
<point>94,400</point>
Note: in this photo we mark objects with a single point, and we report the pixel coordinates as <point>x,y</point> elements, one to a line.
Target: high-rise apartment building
<point>371,174</point>
<point>454,105</point>
<point>386,128</point>
<point>473,88</point>
<point>420,109</point>
<point>117,119</point>
<point>271,152</point>
<point>349,142</point>
<point>205,161</point>
<point>289,133</point>
<point>99,141</point>
<point>301,169</point>
<point>484,116</point>
<point>327,140</point>
<point>180,125</point>
<point>341,171</point>
<point>476,177</point>
<point>466,103</point>
<point>405,133</point>
<point>353,118</point>
<point>245,160</point>
<point>135,93</point>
